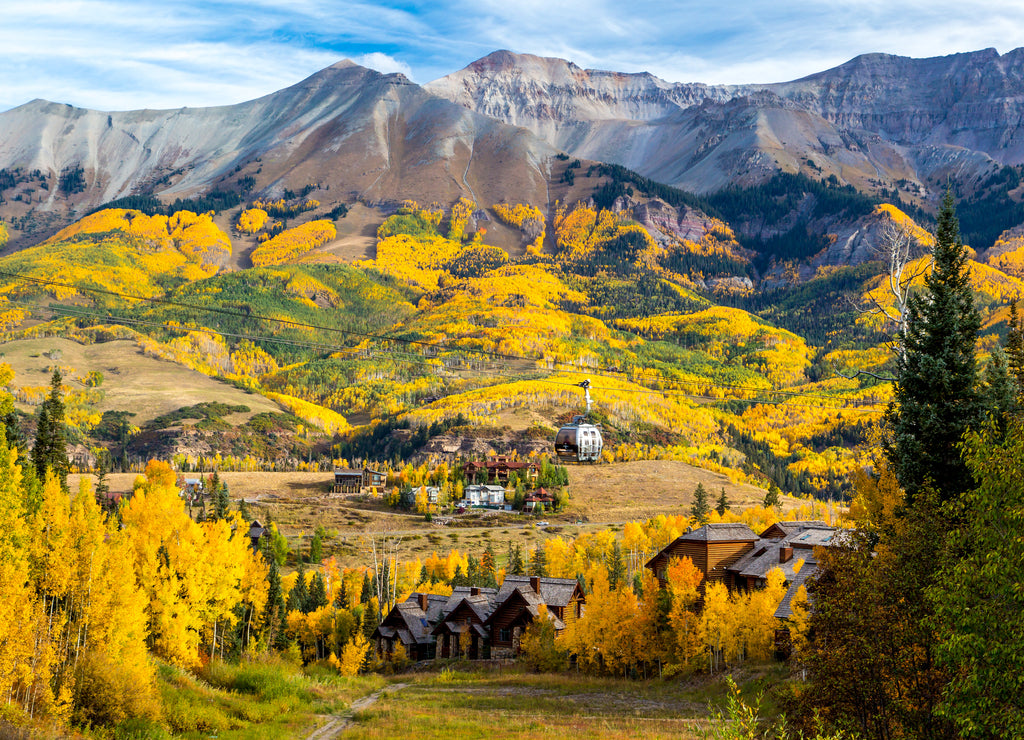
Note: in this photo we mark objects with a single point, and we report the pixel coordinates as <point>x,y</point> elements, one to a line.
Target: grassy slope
<point>146,386</point>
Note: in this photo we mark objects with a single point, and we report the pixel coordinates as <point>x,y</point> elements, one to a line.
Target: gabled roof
<point>721,532</point>
<point>529,600</point>
<point>348,471</point>
<point>409,619</point>
<point>553,591</point>
<point>463,592</point>
<point>788,528</point>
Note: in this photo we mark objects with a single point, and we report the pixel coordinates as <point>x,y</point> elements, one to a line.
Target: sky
<point>131,54</point>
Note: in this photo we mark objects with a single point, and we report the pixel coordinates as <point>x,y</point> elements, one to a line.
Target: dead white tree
<point>384,549</point>
<point>896,246</point>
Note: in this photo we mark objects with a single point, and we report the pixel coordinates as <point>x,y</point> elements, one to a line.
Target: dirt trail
<point>338,723</point>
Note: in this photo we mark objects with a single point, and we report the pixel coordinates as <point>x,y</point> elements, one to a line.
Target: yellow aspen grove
<point>716,624</point>
<point>683,579</point>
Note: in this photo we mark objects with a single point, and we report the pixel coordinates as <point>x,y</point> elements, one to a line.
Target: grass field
<point>509,703</point>
<point>146,386</point>
<point>601,495</point>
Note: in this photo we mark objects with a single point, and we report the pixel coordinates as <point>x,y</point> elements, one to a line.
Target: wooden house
<point>409,624</point>
<point>256,533</point>
<point>347,480</point>
<point>374,479</point>
<point>713,549</point>
<point>461,632</point>
<point>518,603</point>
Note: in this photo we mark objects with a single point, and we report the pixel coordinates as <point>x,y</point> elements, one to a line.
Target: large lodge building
<point>477,623</point>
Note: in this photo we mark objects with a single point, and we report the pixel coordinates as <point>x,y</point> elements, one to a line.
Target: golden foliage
<point>326,419</point>
<point>293,243</point>
<point>252,220</point>
<point>528,219</point>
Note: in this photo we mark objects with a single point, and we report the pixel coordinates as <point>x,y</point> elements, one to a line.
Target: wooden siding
<point>720,556</point>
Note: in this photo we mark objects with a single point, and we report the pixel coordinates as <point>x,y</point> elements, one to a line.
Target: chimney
<point>474,590</point>
<point>535,584</point>
<point>785,552</point>
<point>424,601</point>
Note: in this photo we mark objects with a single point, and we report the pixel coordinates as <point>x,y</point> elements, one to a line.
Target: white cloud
<point>141,53</point>
<point>383,63</point>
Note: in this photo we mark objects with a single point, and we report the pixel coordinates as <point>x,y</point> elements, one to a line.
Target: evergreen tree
<point>773,497</point>
<point>935,396</point>
<point>700,509</point>
<point>999,390</point>
<point>317,593</point>
<point>1015,348</point>
<point>102,487</point>
<point>341,600</point>
<point>51,447</point>
<point>370,622</point>
<point>723,503</point>
<point>366,593</point>
<point>539,562</point>
<point>316,547</point>
<point>275,598</point>
<point>616,567</point>
<point>221,501</point>
<point>243,510</point>
<point>299,595</point>
<point>515,560</point>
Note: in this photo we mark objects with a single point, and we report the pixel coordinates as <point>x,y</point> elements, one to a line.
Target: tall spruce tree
<point>700,509</point>
<point>51,446</point>
<point>936,396</point>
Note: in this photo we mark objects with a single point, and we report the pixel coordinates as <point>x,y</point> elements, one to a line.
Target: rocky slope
<point>878,120</point>
<point>362,133</point>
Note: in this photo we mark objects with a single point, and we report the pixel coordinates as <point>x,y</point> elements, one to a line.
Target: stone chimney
<point>785,552</point>
<point>535,584</point>
<point>474,590</point>
<point>424,601</point>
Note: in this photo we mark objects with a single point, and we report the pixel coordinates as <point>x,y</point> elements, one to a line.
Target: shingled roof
<point>417,621</point>
<point>721,532</point>
<point>553,591</point>
<point>785,610</point>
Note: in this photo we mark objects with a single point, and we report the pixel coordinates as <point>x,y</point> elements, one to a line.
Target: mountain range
<point>881,123</point>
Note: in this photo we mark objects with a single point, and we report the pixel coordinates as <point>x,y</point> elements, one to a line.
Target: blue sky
<point>126,54</point>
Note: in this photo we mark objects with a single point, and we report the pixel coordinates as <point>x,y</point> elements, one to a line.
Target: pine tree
<point>366,593</point>
<point>298,597</point>
<point>936,397</point>
<point>616,567</point>
<point>723,503</point>
<point>317,593</point>
<point>51,448</point>
<point>773,497</point>
<point>700,509</point>
<point>539,563</point>
<point>341,600</point>
<point>221,501</point>
<point>316,547</point>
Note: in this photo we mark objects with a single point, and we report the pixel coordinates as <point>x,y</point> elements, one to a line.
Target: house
<point>192,489</point>
<point>256,533</point>
<point>500,469</point>
<point>713,548</point>
<point>374,480</point>
<point>359,480</point>
<point>518,603</point>
<point>538,498</point>
<point>478,495</point>
<point>461,631</point>
<point>409,624</point>
<point>347,480</point>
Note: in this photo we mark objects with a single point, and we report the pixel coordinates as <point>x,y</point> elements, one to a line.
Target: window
<point>504,635</point>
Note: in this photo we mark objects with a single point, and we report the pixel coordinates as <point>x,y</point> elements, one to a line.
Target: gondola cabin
<point>580,440</point>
